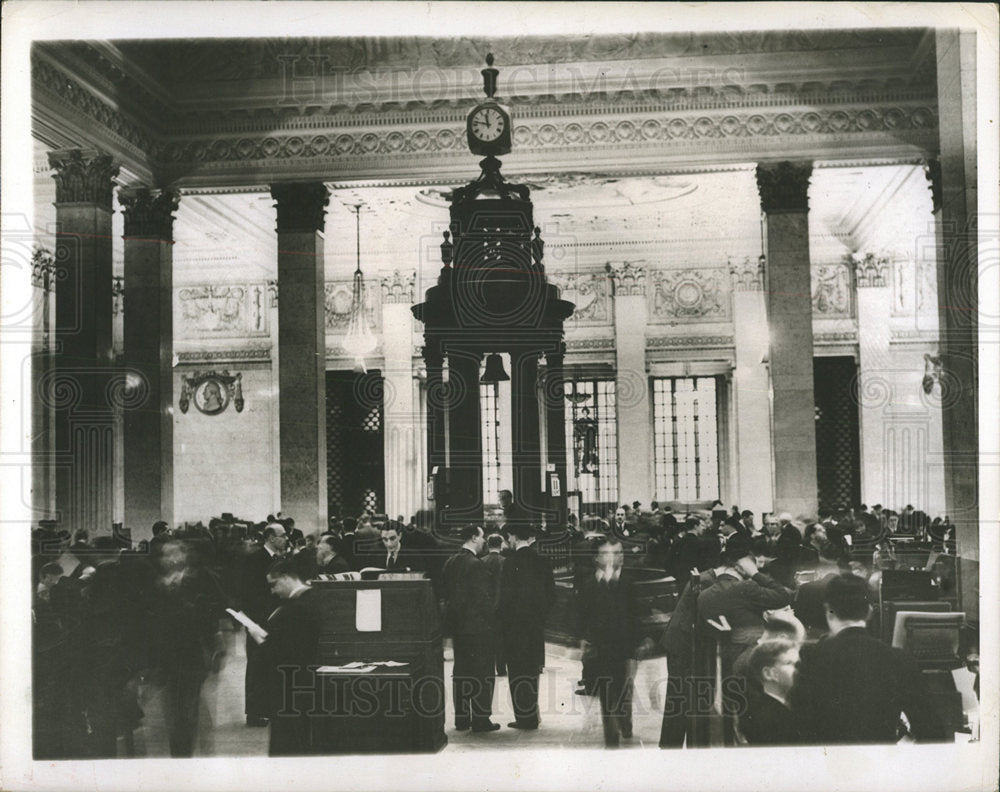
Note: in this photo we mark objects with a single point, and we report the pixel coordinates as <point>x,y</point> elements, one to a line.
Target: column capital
<point>83,176</point>
<point>628,278</point>
<point>784,186</point>
<point>871,270</point>
<point>932,171</point>
<point>149,213</point>
<point>748,275</point>
<point>398,287</point>
<point>301,206</point>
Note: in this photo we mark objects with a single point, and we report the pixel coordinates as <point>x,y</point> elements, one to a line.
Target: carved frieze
<point>831,289</point>
<point>220,311</point>
<point>690,342</point>
<point>590,292</point>
<point>628,277</point>
<point>835,338</point>
<point>649,127</point>
<point>690,295</point>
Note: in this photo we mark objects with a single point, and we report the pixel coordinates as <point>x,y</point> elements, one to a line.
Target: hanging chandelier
<point>360,340</point>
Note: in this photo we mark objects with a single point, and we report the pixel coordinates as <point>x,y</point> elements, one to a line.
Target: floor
<point>568,720</point>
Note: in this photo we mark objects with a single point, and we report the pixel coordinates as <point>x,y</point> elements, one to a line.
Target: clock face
<point>487,124</point>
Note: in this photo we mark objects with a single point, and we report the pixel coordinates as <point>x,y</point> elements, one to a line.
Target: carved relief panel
<point>690,295</point>
<point>221,311</point>
<point>914,287</point>
<point>832,290</point>
<point>590,292</point>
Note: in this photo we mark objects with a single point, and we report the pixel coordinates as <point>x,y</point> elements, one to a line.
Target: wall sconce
<point>932,372</point>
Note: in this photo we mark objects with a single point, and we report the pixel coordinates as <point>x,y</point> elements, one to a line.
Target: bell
<point>494,369</point>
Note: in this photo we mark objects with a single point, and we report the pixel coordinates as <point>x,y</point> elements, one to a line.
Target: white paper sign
<point>368,610</point>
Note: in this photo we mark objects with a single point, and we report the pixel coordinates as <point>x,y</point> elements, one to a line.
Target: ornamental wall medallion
<point>692,295</point>
<point>211,392</point>
<point>831,289</point>
<point>591,294</point>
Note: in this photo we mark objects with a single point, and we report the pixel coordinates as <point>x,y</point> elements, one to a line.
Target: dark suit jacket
<point>809,607</point>
<point>406,559</point>
<point>608,619</point>
<point>767,721</point>
<point>292,645</point>
<point>743,603</point>
<point>255,598</point>
<point>527,592</point>
<point>468,595</point>
<point>851,688</point>
<point>494,566</point>
<point>683,555</point>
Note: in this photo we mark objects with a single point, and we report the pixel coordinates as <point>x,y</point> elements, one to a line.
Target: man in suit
<point>852,688</point>
<point>527,592</point>
<point>740,596</point>
<point>257,602</point>
<point>494,561</point>
<point>684,554</point>
<point>469,614</point>
<point>620,526</point>
<point>771,671</point>
<point>395,557</point>
<point>290,652</point>
<point>609,638</point>
<point>681,702</point>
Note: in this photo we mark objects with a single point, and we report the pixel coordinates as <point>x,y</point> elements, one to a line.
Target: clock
<point>488,129</point>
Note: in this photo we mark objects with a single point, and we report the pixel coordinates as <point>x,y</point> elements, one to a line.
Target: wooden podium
<point>389,708</point>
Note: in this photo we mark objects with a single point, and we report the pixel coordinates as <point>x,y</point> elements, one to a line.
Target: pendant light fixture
<point>360,340</point>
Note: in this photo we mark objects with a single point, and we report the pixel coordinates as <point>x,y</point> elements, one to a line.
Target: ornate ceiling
<point>248,112</point>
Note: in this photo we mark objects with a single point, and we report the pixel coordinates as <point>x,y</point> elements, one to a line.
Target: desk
<point>386,710</point>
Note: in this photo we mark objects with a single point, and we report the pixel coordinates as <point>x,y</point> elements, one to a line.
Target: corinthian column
<point>80,387</point>
<point>784,197</point>
<point>302,352</point>
<point>148,417</point>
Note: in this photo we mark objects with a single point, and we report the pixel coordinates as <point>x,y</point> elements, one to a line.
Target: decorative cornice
<point>61,84</point>
<point>784,186</point>
<point>301,206</point>
<point>629,278</point>
<point>870,271</point>
<point>83,176</point>
<point>845,337</point>
<point>913,337</point>
<point>687,342</point>
<point>149,214</point>
<point>398,287</point>
<point>213,356</point>
<point>319,140</point>
<point>589,344</point>
<point>747,275</point>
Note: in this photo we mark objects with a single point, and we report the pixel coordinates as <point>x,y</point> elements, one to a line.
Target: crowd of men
<point>108,616</point>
